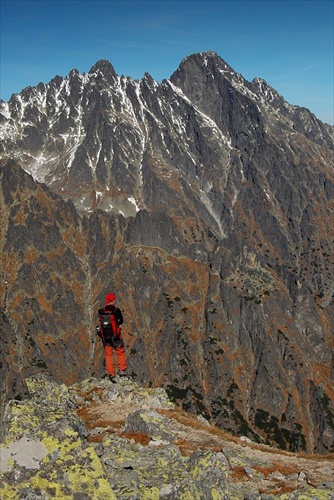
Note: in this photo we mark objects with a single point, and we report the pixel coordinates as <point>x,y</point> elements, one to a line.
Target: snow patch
<point>207,202</point>
<point>4,111</point>
<point>41,166</point>
<point>133,201</point>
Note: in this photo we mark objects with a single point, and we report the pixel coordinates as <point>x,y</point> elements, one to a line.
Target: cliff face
<point>214,227</point>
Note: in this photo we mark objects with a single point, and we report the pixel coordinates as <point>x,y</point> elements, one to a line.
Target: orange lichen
<point>31,255</point>
<point>44,303</point>
<point>20,217</point>
<point>138,437</point>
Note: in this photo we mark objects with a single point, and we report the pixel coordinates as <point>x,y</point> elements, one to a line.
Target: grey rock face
<point>206,204</point>
<point>151,423</point>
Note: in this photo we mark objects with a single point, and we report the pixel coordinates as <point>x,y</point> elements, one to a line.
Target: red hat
<point>110,297</point>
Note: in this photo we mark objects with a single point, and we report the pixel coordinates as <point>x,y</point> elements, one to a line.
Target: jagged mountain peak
<point>147,78</point>
<point>103,68</point>
<point>265,89</point>
<point>209,63</point>
<point>57,81</point>
<point>203,58</point>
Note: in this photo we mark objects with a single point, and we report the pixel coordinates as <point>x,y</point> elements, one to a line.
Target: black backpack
<point>108,323</point>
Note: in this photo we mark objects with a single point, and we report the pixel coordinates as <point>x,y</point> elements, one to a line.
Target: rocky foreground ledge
<point>98,440</point>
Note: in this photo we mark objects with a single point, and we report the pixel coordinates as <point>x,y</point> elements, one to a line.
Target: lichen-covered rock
<point>207,478</point>
<point>48,452</point>
<point>50,408</point>
<point>151,423</point>
<point>211,469</point>
<point>133,468</point>
<point>44,390</point>
<point>44,453</point>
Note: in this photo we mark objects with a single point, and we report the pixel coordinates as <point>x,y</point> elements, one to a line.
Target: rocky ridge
<point>206,204</point>
<point>96,440</point>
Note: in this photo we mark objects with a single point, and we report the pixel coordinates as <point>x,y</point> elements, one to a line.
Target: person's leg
<point>121,361</point>
<point>109,361</point>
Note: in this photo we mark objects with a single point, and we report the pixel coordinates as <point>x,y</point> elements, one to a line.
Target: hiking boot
<point>112,379</point>
<point>122,373</point>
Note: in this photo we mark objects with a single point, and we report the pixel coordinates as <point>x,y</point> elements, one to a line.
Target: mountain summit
<point>206,204</point>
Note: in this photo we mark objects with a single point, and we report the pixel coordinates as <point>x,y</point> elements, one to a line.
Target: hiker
<point>110,319</point>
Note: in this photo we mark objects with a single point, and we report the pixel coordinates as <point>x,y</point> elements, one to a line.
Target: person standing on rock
<point>110,319</point>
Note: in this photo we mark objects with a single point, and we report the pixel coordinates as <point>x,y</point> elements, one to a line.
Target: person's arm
<point>119,317</point>
<point>99,329</point>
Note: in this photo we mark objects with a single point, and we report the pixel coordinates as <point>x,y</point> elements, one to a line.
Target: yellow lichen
<point>216,495</point>
<point>314,493</point>
<point>190,495</point>
<point>150,494</point>
<point>8,492</point>
<point>81,477</point>
<point>50,442</point>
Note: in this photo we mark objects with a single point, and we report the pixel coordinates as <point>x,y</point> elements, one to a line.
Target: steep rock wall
<point>220,330</point>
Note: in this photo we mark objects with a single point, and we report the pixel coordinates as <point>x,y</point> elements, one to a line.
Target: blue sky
<point>288,43</point>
